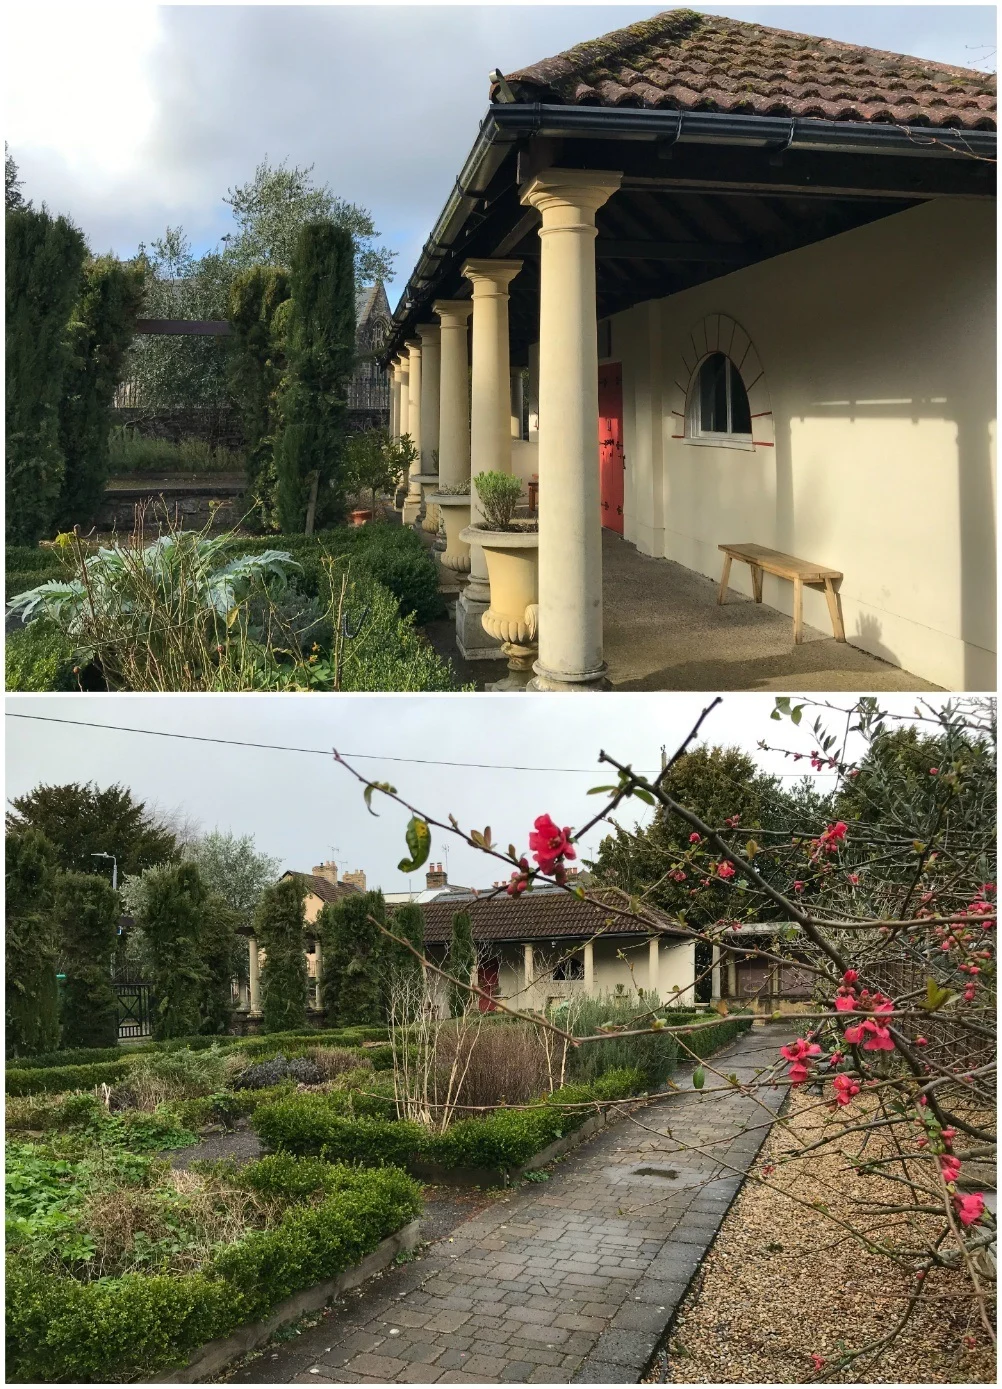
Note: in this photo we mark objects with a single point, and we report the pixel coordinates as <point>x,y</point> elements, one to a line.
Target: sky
<point>130,117</point>
<point>304,809</point>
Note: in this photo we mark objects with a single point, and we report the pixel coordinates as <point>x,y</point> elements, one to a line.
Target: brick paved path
<point>571,1280</point>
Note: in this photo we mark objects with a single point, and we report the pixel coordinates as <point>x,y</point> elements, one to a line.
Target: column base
<point>411,510</point>
<point>472,640</point>
<point>520,659</point>
<point>586,683</point>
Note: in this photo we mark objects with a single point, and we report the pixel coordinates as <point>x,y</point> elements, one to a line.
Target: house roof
<point>684,61</point>
<point>322,888</point>
<point>538,915</point>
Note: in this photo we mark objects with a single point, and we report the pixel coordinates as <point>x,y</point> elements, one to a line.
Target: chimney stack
<point>436,877</point>
<point>325,870</point>
<point>356,879</point>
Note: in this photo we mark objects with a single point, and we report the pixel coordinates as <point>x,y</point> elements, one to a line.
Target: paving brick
<point>381,1366</point>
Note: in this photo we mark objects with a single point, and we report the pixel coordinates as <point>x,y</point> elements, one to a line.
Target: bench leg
<point>798,611</point>
<point>835,610</point>
<point>756,582</point>
<point>723,580</point>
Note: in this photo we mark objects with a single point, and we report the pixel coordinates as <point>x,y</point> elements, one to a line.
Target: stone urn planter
<point>455,512</point>
<point>359,516</point>
<point>429,512</point>
<point>512,559</point>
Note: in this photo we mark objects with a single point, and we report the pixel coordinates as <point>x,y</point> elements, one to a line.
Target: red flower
<point>694,838</point>
<point>934,771</point>
<point>921,1042</point>
<point>798,1073</point>
<point>818,1361</point>
<point>850,977</point>
<point>950,1167</point>
<point>800,1050</point>
<point>725,870</point>
<point>550,843</point>
<point>969,1208</point>
<point>845,1088</point>
<point>871,1034</point>
<point>845,1003</point>
<point>798,887</point>
<point>854,879</point>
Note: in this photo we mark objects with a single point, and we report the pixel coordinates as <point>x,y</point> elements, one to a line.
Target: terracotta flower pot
<point>512,559</point>
<point>455,510</point>
<point>360,516</point>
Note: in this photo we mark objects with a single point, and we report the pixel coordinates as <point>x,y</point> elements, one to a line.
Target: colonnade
<point>460,403</point>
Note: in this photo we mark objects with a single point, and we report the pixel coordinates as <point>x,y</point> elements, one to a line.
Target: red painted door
<point>612,465</point>
<point>490,982</point>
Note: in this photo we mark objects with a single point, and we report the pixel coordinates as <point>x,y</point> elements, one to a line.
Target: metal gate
<point>133,1010</point>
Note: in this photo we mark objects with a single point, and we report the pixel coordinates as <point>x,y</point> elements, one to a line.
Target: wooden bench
<point>799,571</point>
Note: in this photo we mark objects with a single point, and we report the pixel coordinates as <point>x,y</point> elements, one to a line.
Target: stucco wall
<point>878,356</point>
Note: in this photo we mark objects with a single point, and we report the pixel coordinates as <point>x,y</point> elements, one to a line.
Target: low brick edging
<point>214,1356</point>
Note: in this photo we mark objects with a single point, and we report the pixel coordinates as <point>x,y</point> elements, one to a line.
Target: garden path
<point>572,1280</point>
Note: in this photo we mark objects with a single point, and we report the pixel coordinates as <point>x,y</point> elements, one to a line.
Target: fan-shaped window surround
<point>717,396</point>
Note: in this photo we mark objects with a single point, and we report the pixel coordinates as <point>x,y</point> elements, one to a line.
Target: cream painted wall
<point>878,352</point>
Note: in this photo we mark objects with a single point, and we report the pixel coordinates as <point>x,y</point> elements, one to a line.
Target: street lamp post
<point>114,867</point>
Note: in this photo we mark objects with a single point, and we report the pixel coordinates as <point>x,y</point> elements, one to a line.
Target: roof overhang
<point>776,182</point>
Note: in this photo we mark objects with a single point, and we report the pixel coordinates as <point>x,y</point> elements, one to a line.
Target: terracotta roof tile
<point>536,916</point>
<point>680,60</point>
<point>326,891</point>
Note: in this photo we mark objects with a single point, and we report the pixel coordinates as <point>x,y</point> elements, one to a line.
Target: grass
<point>131,452</point>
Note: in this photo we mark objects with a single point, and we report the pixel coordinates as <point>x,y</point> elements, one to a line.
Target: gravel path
<point>781,1284</point>
<point>242,1144</point>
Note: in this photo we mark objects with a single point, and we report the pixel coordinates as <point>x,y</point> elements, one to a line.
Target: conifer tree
<point>87,909</point>
<point>355,973</point>
<point>173,921</point>
<point>461,963</point>
<point>257,364</point>
<point>219,946</point>
<point>320,348</point>
<point>280,927</point>
<point>31,999</point>
<point>407,922</point>
<point>101,328</point>
<point>45,257</point>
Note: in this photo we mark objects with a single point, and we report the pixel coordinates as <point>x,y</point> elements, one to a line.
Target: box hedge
<point>130,1327</point>
<point>51,1080</point>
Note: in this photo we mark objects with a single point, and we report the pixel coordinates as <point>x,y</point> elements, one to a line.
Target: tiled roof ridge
<point>683,60</point>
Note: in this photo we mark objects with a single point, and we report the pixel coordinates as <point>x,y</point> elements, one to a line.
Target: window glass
<point>740,411</point>
<point>713,395</point>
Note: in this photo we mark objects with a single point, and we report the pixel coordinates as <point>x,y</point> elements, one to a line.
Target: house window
<point>719,407</point>
<point>572,968</point>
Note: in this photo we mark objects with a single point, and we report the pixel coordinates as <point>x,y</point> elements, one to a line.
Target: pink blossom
<point>969,1208</point>
<point>950,1167</point>
<point>798,1073</point>
<point>694,838</point>
<point>850,977</point>
<point>800,1050</point>
<point>845,1003</point>
<point>934,771</point>
<point>845,1088</point>
<point>550,843</point>
<point>725,870</point>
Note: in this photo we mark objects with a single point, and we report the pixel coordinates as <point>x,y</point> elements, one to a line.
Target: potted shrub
<point>511,552</point>
<point>453,503</point>
<point>371,465</point>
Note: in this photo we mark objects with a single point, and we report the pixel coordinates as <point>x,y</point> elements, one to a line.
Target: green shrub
<point>87,910</point>
<point>38,657</point>
<point>460,963</point>
<point>312,1125</point>
<point>705,1040</point>
<point>655,1054</point>
<point>354,980</point>
<point>499,494</point>
<point>131,452</point>
<point>31,1001</point>
<point>279,926</point>
<point>281,1174</point>
<point>45,257</point>
<point>51,1080</point>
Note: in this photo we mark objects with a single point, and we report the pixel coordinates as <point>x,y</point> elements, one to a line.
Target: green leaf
<point>377,786</point>
<point>935,997</point>
<point>578,892</point>
<point>698,1078</point>
<point>643,796</point>
<point>796,712</point>
<point>599,790</point>
<point>419,843</point>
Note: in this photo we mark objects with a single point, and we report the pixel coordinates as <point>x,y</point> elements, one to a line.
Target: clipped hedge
<point>38,658</point>
<point>132,1326</point>
<point>316,1125</point>
<point>705,1040</point>
<point>51,1080</point>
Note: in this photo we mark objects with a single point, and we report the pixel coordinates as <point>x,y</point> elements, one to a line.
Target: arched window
<point>719,406</point>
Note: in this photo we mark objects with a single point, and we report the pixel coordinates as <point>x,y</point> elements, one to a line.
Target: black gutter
<point>507,125</point>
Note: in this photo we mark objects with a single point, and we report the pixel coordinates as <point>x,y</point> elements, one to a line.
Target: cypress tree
<point>320,347</point>
<point>31,1003</point>
<point>219,949</point>
<point>257,365</point>
<point>45,256</point>
<point>461,962</point>
<point>280,927</point>
<point>86,912</point>
<point>173,921</point>
<point>101,328</point>
<point>353,987</point>
<point>408,923</point>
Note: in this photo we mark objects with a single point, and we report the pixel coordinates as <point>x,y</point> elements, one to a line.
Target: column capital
<point>495,274</point>
<point>571,190</point>
<point>413,346</point>
<point>454,313</point>
<point>428,332</point>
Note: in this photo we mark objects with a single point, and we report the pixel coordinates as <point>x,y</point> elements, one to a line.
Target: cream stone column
<point>391,372</point>
<point>412,505</point>
<point>515,392</point>
<point>654,967</point>
<point>529,979</point>
<point>403,414</point>
<point>534,393</point>
<point>589,967</point>
<point>570,531</point>
<point>732,976</point>
<point>490,433</point>
<point>715,975</point>
<point>254,971</point>
<point>429,333</point>
<point>454,428</point>
<point>318,959</point>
